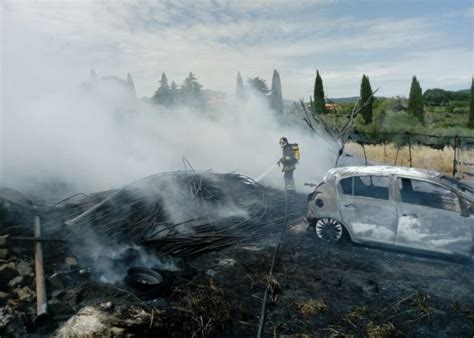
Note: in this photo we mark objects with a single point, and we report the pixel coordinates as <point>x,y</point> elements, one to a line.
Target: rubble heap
<point>179,215</point>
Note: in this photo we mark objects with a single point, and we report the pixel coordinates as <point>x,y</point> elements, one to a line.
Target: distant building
<point>331,107</point>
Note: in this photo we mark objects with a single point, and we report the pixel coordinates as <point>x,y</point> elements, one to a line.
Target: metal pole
<point>41,297</point>
<point>89,211</point>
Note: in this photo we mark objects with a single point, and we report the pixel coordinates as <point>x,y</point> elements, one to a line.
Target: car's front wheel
<point>329,230</point>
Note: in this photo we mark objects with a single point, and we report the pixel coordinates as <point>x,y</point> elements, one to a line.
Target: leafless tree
<point>341,134</point>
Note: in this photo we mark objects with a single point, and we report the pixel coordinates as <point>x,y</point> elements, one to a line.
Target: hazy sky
<point>390,40</point>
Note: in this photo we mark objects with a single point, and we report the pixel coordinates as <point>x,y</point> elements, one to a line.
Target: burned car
<point>394,207</point>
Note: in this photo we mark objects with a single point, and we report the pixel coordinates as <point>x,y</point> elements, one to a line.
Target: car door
<point>430,218</point>
<point>367,209</point>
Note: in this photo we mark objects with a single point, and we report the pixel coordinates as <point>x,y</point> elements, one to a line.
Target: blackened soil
<point>323,290</point>
<point>316,290</point>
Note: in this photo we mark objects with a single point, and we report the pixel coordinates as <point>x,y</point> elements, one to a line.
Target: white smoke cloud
<point>52,130</point>
<point>58,138</point>
<point>98,141</point>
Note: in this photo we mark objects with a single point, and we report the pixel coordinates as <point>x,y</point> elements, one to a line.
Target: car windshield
<point>465,188</point>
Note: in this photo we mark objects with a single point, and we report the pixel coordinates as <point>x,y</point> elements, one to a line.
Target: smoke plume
<point>86,139</point>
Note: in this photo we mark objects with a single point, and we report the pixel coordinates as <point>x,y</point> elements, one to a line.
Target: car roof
<point>384,171</point>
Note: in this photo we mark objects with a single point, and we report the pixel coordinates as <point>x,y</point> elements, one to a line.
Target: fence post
<point>365,154</point>
<point>409,150</point>
<point>455,160</point>
<point>396,156</point>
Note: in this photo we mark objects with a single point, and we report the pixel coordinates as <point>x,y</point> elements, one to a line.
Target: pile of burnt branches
<point>183,213</point>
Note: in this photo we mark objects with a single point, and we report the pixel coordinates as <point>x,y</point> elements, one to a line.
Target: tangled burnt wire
<point>182,213</point>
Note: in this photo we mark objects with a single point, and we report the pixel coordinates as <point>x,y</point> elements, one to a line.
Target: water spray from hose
<point>265,174</point>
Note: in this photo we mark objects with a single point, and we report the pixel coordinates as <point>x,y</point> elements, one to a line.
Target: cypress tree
<point>415,100</point>
<point>131,84</point>
<point>174,93</point>
<point>92,76</point>
<point>239,88</point>
<point>276,97</point>
<point>365,98</point>
<point>319,100</point>
<point>470,123</point>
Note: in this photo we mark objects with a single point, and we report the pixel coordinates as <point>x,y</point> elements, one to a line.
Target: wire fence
<point>460,148</point>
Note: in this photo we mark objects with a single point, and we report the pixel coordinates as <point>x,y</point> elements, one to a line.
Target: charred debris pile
<point>182,214</point>
<point>144,235</point>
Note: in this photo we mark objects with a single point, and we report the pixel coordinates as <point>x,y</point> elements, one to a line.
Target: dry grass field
<point>422,157</point>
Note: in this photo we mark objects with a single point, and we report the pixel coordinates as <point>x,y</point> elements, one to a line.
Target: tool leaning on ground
<point>41,295</point>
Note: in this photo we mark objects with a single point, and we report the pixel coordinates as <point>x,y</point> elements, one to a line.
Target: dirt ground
<point>317,290</point>
<point>343,290</point>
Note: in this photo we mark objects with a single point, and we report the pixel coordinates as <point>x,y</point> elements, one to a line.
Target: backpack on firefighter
<point>296,151</point>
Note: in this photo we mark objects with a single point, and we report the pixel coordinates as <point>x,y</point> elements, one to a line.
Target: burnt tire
<point>145,283</point>
<point>329,230</point>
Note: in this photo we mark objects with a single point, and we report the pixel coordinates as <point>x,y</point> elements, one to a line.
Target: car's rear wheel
<point>329,230</point>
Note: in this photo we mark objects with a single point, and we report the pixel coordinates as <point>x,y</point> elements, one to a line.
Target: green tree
<point>415,101</point>
<point>441,97</point>
<point>239,88</point>
<point>470,123</point>
<point>174,93</point>
<point>258,85</point>
<point>191,93</point>
<point>276,97</point>
<point>162,94</point>
<point>131,84</point>
<point>92,76</point>
<point>319,100</point>
<point>366,100</point>
<point>436,97</point>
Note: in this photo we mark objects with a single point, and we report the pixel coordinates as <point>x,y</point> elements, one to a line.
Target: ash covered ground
<point>316,290</point>
<point>324,290</point>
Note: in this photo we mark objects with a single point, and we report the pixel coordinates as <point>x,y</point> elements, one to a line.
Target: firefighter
<point>288,161</point>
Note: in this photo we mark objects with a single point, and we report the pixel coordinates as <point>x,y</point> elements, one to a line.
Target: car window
<point>427,194</point>
<point>346,185</point>
<point>467,190</point>
<point>366,186</point>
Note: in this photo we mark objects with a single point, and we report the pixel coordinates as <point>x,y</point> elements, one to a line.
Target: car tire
<point>329,230</point>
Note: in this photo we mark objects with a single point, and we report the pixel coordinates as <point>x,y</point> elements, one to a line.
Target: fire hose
<point>272,267</point>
